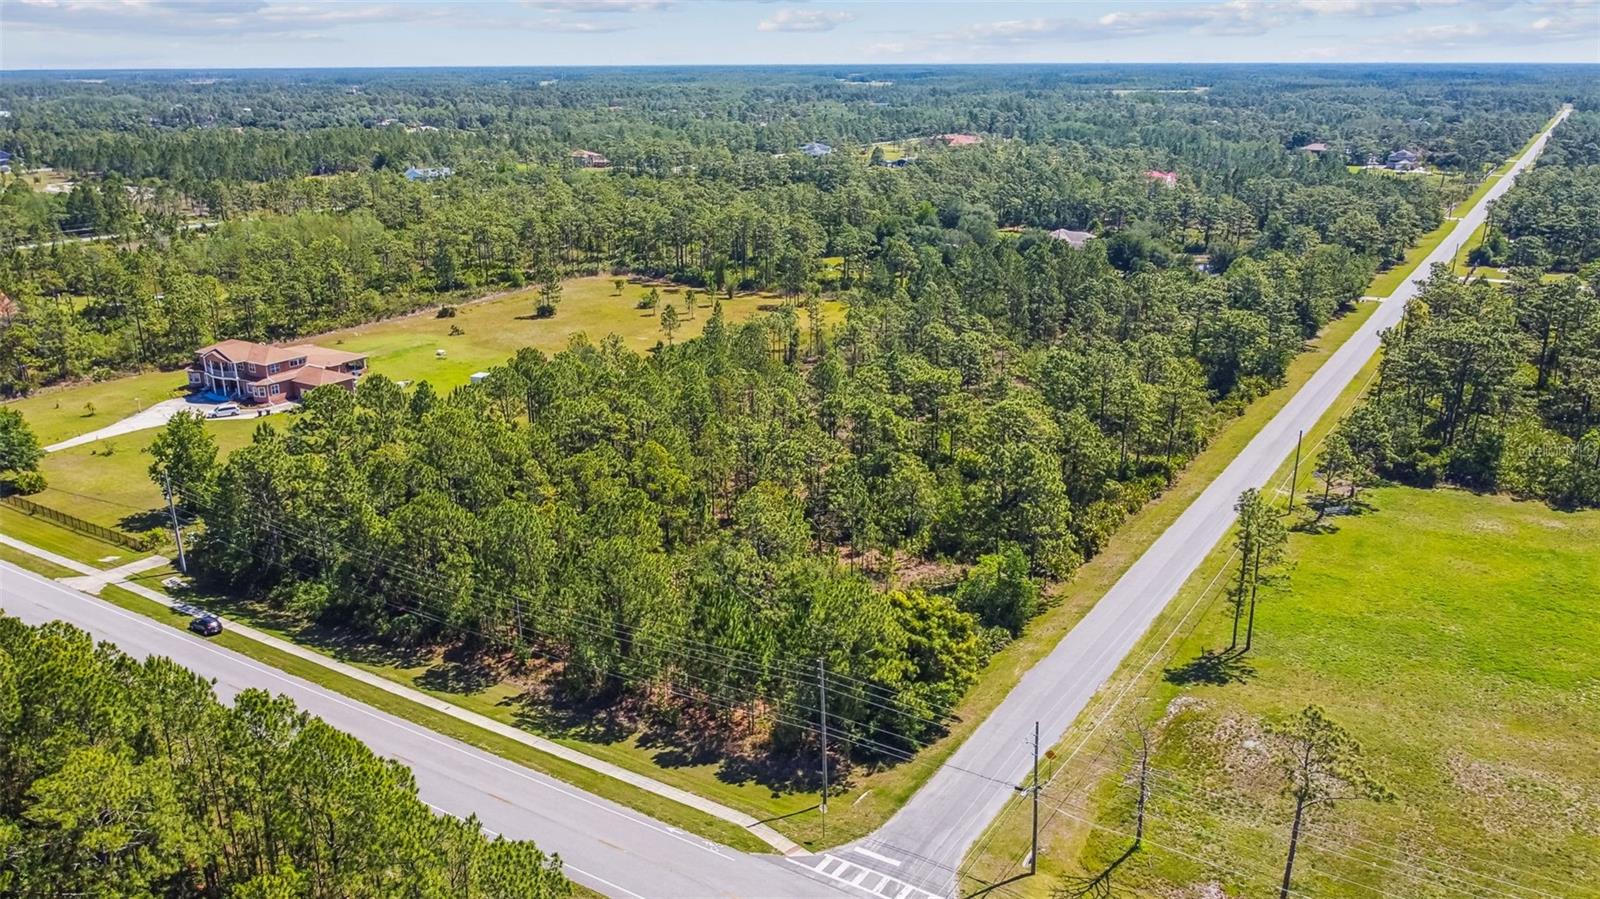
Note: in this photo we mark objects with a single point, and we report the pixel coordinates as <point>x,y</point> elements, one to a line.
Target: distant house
<point>816,149</point>
<point>429,174</point>
<point>1076,239</point>
<point>1402,160</point>
<point>900,163</point>
<point>253,372</point>
<point>589,159</point>
<point>1317,147</point>
<point>1170,179</point>
<point>5,161</point>
<point>959,140</point>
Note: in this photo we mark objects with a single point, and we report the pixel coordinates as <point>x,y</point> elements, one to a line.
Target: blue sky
<point>264,33</point>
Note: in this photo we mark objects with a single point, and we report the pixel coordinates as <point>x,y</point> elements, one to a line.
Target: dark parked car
<point>206,625</point>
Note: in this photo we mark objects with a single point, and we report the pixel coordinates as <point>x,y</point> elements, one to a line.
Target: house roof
<point>316,377</point>
<point>960,140</point>
<point>323,357</point>
<point>237,351</point>
<point>1158,175</point>
<point>1075,238</point>
<point>1317,147</point>
<point>816,148</point>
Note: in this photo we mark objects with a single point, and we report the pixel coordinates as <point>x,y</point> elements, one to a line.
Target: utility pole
<point>177,532</point>
<point>1144,784</point>
<point>1033,858</point>
<point>822,720</point>
<point>1294,479</point>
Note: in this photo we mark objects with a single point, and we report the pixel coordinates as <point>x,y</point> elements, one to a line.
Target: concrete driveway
<point>156,416</point>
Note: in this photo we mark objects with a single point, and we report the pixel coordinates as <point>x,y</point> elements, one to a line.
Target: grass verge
<point>1388,281</point>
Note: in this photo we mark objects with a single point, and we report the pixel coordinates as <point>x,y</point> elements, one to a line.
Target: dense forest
<point>1548,219</point>
<point>1488,388</point>
<point>127,778</point>
<point>309,223</point>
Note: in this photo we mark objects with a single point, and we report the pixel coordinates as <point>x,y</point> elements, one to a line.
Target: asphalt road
<point>930,835</point>
<point>610,848</point>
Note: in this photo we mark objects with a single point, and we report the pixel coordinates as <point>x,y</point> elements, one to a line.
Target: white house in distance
<point>251,372</point>
<point>1074,239</point>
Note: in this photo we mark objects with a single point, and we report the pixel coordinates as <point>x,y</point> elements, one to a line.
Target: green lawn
<point>47,535</point>
<point>108,481</point>
<point>58,413</point>
<point>1454,635</point>
<point>405,348</point>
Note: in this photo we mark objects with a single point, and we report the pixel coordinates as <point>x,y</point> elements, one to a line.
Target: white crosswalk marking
<point>875,883</point>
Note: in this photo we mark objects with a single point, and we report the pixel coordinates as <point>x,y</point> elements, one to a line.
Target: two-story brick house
<point>252,372</point>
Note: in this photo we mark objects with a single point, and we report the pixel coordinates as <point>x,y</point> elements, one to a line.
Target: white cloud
<point>300,20</point>
<point>805,20</point>
<point>1227,18</point>
<point>600,6</point>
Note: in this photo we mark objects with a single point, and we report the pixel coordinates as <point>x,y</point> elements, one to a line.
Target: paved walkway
<point>94,580</point>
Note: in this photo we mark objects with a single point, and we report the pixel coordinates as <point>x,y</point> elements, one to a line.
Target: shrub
<point>27,482</point>
<point>446,312</point>
<point>144,541</point>
<point>544,310</point>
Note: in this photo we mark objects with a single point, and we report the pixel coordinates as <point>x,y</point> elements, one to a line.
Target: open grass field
<point>1453,635</point>
<point>108,482</point>
<point>405,348</point>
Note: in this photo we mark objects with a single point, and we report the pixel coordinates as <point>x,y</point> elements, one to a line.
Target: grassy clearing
<point>49,536</point>
<point>108,481</point>
<point>648,803</point>
<point>404,348</point>
<point>1453,634</point>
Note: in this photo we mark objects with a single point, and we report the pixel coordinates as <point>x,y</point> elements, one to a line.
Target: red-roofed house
<point>960,140</point>
<point>1170,179</point>
<point>261,373</point>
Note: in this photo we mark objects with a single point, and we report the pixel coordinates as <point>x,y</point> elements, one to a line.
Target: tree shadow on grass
<point>135,522</point>
<point>1212,667</point>
<point>1094,886</point>
<point>591,722</point>
<point>1327,513</point>
<point>461,677</point>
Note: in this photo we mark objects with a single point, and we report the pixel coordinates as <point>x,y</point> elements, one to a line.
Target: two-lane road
<point>606,846</point>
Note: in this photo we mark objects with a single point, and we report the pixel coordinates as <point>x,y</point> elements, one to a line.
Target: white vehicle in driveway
<point>224,410</point>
